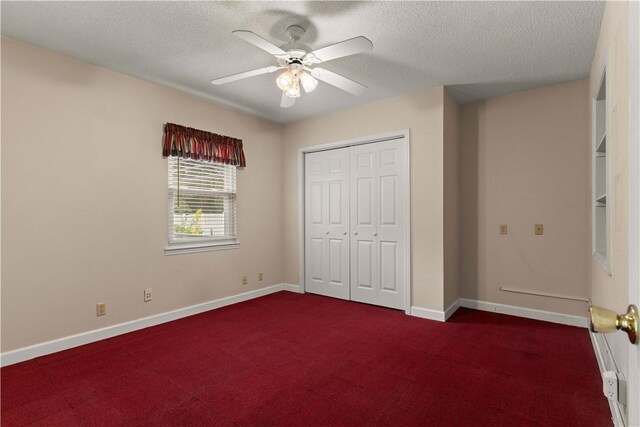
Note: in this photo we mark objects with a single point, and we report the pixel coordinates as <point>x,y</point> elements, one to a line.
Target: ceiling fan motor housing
<point>293,48</point>
<point>296,67</point>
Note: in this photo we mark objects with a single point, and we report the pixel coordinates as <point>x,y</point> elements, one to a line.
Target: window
<point>202,206</point>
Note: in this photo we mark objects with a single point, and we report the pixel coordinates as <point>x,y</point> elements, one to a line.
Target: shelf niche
<point>601,174</point>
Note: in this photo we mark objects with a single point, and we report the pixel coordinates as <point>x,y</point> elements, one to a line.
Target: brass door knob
<point>603,320</point>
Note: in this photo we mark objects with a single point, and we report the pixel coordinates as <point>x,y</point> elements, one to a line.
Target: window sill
<point>191,248</point>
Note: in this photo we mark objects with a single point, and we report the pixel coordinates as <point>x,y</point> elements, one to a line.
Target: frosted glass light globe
<point>285,80</point>
<point>308,82</point>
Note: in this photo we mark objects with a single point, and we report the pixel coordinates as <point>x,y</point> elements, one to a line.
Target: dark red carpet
<point>289,359</point>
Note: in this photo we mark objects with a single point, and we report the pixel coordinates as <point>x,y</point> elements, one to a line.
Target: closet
<point>356,223</point>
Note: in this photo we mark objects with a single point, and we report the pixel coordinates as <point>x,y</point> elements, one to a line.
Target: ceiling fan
<point>297,59</point>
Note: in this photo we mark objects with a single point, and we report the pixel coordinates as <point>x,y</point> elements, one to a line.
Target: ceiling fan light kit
<point>290,80</point>
<point>309,83</point>
<point>285,80</point>
<point>297,59</point>
<point>293,91</point>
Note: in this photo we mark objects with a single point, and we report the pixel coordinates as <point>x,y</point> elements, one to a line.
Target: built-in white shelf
<point>601,238</point>
<point>602,145</point>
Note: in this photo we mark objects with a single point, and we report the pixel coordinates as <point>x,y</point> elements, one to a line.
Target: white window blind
<point>202,204</point>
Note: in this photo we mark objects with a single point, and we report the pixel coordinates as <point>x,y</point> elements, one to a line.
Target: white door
<point>379,194</point>
<point>327,223</point>
<point>633,368</point>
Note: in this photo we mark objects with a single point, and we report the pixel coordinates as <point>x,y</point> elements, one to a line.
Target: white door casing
<point>327,223</point>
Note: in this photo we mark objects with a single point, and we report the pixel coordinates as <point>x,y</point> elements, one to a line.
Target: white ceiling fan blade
<point>234,77</point>
<point>339,81</point>
<point>286,101</point>
<point>258,41</point>
<point>344,48</point>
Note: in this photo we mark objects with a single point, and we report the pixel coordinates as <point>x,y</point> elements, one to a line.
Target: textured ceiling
<point>478,49</point>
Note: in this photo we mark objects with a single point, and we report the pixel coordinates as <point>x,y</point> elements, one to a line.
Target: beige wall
<point>610,290</point>
<point>75,236</point>
<point>420,112</point>
<point>84,199</point>
<point>93,232</point>
<point>525,159</point>
<point>451,202</point>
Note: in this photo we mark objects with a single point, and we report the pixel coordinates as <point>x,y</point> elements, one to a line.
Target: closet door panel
<point>315,265</point>
<point>315,222</point>
<point>392,195</point>
<point>363,188</point>
<point>364,205</point>
<point>327,223</point>
<point>364,265</point>
<point>388,200</point>
<point>337,252</point>
<point>336,210</point>
<point>388,266</point>
<point>378,212</point>
<point>338,223</point>
<point>364,212</point>
<point>315,207</point>
<point>355,231</point>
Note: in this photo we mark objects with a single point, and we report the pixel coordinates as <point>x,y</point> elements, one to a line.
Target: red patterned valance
<point>197,144</point>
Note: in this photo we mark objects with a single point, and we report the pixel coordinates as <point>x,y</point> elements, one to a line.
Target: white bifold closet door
<point>327,223</point>
<point>378,205</point>
<point>355,223</point>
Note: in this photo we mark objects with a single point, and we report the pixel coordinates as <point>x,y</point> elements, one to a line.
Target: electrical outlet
<point>503,229</point>
<point>101,309</point>
<point>539,229</point>
<point>259,277</point>
<point>614,387</point>
<point>147,295</point>
<point>610,385</point>
<point>244,280</point>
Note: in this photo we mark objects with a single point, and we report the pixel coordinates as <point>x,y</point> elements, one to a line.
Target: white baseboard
<point>426,313</point>
<point>452,309</point>
<point>440,316</point>
<point>529,313</point>
<point>606,362</point>
<point>36,350</point>
<point>292,288</point>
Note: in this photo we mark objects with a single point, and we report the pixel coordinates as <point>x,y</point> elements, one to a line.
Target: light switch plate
<point>504,229</point>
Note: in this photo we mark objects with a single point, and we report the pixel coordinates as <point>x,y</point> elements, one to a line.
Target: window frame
<point>185,247</point>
